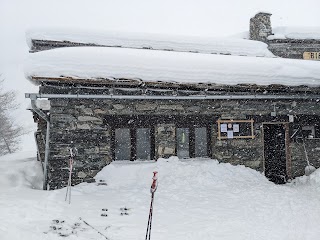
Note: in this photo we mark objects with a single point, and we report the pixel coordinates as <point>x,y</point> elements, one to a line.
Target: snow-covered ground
<point>195,199</point>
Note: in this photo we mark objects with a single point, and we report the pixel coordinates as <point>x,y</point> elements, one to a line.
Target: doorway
<point>143,144</point>
<point>201,142</point>
<point>122,144</point>
<point>276,157</point>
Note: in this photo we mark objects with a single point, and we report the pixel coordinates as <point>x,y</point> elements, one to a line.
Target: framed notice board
<point>235,129</point>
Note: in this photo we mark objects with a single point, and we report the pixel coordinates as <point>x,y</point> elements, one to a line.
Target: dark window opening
<point>133,137</point>
<point>201,142</point>
<point>183,141</point>
<point>143,141</point>
<point>122,144</point>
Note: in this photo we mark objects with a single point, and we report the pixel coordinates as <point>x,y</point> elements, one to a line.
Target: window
<point>183,142</point>
<point>143,149</point>
<point>122,144</point>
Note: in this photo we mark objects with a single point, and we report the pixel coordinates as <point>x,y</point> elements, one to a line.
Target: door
<point>200,142</point>
<point>143,141</point>
<point>183,143</point>
<point>122,144</point>
<point>275,161</point>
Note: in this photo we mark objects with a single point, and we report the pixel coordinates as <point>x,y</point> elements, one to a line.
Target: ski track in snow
<point>195,199</point>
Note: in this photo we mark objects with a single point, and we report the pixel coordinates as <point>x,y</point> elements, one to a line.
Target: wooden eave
<point>138,83</point>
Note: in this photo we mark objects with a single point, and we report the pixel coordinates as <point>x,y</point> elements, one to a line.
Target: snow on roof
<point>41,104</point>
<point>179,67</point>
<point>230,46</point>
<point>295,33</point>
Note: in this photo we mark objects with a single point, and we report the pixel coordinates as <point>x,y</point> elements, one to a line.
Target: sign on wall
<point>229,129</point>
<point>311,55</point>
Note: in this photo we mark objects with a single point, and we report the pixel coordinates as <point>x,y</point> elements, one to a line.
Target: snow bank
<point>312,180</point>
<point>20,170</point>
<point>195,199</point>
<point>179,174</point>
<point>295,33</point>
<point>179,67</point>
<point>231,46</point>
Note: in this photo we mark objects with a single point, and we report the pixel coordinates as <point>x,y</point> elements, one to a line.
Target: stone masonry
<point>82,124</point>
<point>260,27</point>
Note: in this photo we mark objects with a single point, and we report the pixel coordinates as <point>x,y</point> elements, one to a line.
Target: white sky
<point>182,17</point>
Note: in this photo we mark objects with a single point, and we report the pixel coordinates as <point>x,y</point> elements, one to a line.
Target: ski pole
<point>93,228</point>
<point>73,152</point>
<point>68,193</point>
<point>153,188</point>
<point>149,219</point>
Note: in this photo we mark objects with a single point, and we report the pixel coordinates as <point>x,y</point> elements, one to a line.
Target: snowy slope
<point>181,67</point>
<point>231,46</point>
<point>196,199</point>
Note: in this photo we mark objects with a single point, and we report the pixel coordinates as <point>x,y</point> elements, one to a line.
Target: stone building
<point>143,100</point>
<point>296,43</point>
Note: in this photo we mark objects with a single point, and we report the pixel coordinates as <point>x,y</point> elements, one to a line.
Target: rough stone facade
<point>260,27</point>
<point>165,140</point>
<point>293,48</point>
<point>86,125</point>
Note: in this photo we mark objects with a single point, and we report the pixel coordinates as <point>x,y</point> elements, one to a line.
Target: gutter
<point>47,149</point>
<point>175,97</point>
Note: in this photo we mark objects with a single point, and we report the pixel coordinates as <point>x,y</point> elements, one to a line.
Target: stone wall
<point>291,48</point>
<point>84,124</point>
<point>260,27</point>
<point>165,136</point>
<point>77,124</point>
<point>299,158</point>
<point>247,152</point>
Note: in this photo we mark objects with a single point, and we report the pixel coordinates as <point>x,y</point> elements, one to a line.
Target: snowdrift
<point>196,199</point>
<point>20,170</point>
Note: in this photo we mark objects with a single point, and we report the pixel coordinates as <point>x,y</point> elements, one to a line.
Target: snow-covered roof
<point>166,66</point>
<point>226,46</point>
<point>295,33</point>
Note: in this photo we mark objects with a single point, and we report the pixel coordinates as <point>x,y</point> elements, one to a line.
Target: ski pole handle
<point>73,152</point>
<point>154,182</point>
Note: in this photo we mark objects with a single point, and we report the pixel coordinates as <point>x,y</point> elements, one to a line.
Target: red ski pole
<point>152,190</point>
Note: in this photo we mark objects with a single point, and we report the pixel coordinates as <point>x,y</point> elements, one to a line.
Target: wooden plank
<point>209,88</point>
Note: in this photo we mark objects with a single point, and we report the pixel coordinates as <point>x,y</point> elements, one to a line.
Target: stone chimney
<point>260,27</point>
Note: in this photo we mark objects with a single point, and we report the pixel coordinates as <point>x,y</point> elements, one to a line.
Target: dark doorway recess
<point>275,152</point>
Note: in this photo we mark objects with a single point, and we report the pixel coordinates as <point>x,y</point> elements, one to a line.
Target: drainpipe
<point>47,149</point>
